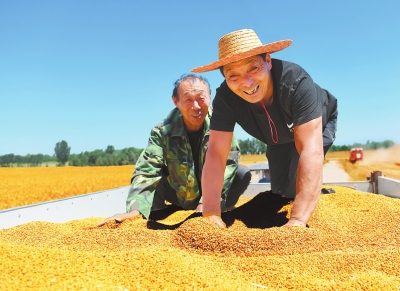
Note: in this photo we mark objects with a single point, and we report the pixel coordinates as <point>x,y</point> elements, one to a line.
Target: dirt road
<point>333,172</point>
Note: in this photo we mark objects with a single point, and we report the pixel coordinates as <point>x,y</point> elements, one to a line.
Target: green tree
<point>129,156</point>
<point>74,160</point>
<point>252,146</point>
<point>244,146</point>
<point>94,156</point>
<point>110,149</point>
<point>259,147</point>
<point>388,143</point>
<point>62,151</point>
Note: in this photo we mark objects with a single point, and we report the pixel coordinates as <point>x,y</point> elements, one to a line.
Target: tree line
<point>254,146</point>
<point>129,156</point>
<point>29,160</point>
<point>108,157</point>
<point>62,156</point>
<point>369,145</point>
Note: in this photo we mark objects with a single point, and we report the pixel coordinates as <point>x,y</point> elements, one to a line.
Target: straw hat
<point>239,45</point>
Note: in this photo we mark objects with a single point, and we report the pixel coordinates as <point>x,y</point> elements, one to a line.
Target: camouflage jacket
<point>169,149</point>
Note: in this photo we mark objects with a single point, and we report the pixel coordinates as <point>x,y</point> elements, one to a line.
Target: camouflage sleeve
<point>147,174</point>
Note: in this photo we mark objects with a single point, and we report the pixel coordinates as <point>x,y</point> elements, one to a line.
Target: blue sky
<point>98,73</point>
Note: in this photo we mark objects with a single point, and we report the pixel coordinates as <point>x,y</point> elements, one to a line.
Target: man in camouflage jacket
<point>167,170</point>
<point>169,153</point>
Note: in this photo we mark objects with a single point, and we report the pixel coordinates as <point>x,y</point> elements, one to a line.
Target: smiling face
<point>250,78</point>
<point>193,101</point>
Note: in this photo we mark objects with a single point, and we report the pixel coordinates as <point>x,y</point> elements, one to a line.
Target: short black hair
<point>263,56</point>
<point>191,78</point>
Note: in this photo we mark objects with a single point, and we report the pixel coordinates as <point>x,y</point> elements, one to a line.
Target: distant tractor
<point>356,154</point>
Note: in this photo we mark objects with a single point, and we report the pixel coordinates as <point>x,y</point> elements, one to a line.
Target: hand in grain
<point>118,218</point>
<point>216,220</point>
<point>199,208</point>
<point>294,222</point>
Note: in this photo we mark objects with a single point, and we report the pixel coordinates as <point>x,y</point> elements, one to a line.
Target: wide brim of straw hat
<point>241,44</point>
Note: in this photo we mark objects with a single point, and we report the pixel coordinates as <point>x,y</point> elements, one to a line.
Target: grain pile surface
<point>352,243</point>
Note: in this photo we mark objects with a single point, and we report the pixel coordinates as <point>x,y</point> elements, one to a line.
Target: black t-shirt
<point>296,100</point>
<point>195,141</point>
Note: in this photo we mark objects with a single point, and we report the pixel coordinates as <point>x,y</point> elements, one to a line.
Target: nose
<point>248,80</point>
<point>196,105</point>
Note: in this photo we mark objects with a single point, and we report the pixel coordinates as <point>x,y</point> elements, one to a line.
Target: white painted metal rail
<point>389,187</point>
<point>97,204</point>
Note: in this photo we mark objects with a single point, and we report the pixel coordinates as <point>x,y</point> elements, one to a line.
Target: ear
<point>175,100</point>
<point>268,60</point>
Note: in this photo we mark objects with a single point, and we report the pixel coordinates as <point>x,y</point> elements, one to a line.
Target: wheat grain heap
<point>352,243</point>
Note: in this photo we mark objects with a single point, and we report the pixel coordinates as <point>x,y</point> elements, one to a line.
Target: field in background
<point>23,186</point>
<point>385,160</point>
<point>248,160</point>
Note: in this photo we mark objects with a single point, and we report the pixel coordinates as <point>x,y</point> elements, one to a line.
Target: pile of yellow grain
<point>353,243</point>
<point>24,186</point>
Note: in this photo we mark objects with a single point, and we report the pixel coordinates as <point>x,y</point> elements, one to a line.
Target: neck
<point>194,129</point>
<point>268,100</point>
<point>267,103</point>
<point>269,96</point>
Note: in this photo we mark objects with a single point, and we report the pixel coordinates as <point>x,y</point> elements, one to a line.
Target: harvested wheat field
<point>352,243</point>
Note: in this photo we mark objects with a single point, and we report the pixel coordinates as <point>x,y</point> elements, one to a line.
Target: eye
<point>254,69</point>
<point>233,77</point>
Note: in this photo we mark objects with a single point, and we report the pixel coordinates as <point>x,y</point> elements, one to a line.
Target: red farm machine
<point>356,154</point>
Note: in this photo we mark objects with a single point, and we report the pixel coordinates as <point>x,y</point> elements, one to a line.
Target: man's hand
<point>199,208</point>
<point>216,220</point>
<point>118,218</point>
<point>295,222</point>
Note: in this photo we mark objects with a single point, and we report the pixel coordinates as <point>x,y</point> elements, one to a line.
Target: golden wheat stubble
<point>352,244</point>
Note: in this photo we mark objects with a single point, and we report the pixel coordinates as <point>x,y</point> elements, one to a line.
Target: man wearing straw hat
<point>278,103</point>
<point>170,167</point>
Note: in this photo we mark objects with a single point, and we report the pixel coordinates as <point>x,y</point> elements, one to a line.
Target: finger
<point>199,208</point>
<point>294,223</point>
<point>106,220</point>
<point>216,220</point>
<point>119,219</point>
<point>103,222</point>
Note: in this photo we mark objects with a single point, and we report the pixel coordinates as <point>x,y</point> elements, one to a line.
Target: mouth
<point>199,115</point>
<point>250,92</point>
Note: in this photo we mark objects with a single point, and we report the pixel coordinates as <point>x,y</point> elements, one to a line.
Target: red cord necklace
<point>270,121</point>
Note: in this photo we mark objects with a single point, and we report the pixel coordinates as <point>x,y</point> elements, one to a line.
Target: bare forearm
<point>212,183</point>
<point>308,186</point>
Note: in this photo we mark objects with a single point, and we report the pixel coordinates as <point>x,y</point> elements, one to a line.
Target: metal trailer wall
<point>97,204</point>
<point>110,202</point>
<point>389,187</point>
